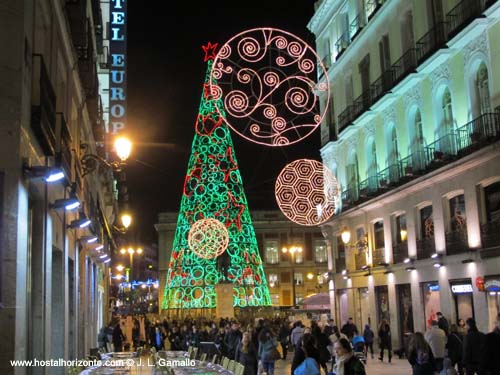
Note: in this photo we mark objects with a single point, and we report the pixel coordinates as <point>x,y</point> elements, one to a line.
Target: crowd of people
<point>322,348</point>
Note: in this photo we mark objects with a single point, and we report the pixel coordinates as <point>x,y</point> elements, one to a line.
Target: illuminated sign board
<point>118,66</point>
<point>433,288</point>
<point>461,288</point>
<point>492,285</point>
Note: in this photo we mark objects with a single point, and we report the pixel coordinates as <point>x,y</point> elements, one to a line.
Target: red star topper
<point>209,50</point>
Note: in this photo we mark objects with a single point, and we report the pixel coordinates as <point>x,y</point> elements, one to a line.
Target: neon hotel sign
<point>118,71</point>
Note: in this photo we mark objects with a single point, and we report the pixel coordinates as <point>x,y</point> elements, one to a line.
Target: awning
<point>319,301</point>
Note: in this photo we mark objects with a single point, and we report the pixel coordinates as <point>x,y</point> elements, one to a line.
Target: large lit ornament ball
<point>266,79</point>
<point>208,238</point>
<point>307,192</point>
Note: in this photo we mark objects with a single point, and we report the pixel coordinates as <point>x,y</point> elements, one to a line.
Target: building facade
<point>412,135</point>
<point>302,273</point>
<point>53,97</point>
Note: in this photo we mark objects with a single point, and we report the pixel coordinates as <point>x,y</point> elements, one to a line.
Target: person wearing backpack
<point>455,348</point>
<point>420,355</point>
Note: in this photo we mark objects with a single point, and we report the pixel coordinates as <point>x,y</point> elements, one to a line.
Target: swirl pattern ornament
<point>208,238</point>
<point>263,72</point>
<point>307,192</point>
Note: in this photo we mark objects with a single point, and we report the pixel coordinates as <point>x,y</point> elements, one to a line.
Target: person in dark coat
<point>384,335</point>
<point>118,338</point>
<point>246,354</point>
<point>490,362</point>
<point>283,337</point>
<point>420,355</point>
<point>175,339</point>
<point>443,323</point>
<point>349,329</point>
<point>472,347</point>
<point>102,339</point>
<point>455,348</point>
<point>231,340</point>
<point>369,336</point>
<point>307,341</point>
<point>322,342</point>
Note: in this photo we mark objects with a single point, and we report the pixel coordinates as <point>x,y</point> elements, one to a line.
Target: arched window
<point>352,174</point>
<point>417,143</point>
<point>393,156</point>
<point>371,162</point>
<point>446,133</point>
<point>482,89</point>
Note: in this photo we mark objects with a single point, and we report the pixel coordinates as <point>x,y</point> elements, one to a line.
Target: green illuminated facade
<point>213,188</point>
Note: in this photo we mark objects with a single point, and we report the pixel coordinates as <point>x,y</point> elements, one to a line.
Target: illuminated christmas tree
<point>213,189</point>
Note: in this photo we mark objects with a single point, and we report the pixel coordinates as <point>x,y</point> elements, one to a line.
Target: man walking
<point>436,338</point>
<point>490,363</point>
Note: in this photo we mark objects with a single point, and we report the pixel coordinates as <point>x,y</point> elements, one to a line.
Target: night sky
<point>165,76</point>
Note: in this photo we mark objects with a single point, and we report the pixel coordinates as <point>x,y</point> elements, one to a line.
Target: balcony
<point>425,248</point>
<point>341,45</point>
<point>356,25</point>
<point>378,257</point>
<point>43,107</point>
<point>436,38</point>
<point>340,264</point>
<point>64,155</point>
<point>456,242</point>
<point>87,67</point>
<point>76,12</point>
<point>399,252</point>
<point>360,260</point>
<point>490,234</point>
<point>474,135</point>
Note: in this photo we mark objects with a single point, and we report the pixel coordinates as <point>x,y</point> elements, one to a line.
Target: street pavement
<point>373,367</point>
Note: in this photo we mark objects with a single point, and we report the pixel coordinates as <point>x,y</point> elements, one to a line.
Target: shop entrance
<point>364,309</point>
<point>492,288</point>
<point>462,295</point>
<point>405,313</point>
<point>432,301</point>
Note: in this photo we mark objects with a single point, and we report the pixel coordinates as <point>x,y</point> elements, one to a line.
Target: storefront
<point>462,292</point>
<point>492,288</point>
<point>343,306</point>
<point>363,317</point>
<point>405,312</point>
<point>432,301</point>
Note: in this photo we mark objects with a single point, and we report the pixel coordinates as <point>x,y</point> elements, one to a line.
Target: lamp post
<point>131,251</point>
<point>90,162</point>
<point>292,250</point>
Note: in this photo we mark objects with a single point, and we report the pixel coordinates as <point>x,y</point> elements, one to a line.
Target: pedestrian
<point>349,329</point>
<point>267,350</point>
<point>346,362</point>
<point>448,369</point>
<point>436,338</point>
<point>102,339</point>
<point>309,342</point>
<point>462,329</point>
<point>454,347</point>
<point>118,338</point>
<point>322,342</point>
<point>490,363</point>
<point>443,323</point>
<point>420,355</point>
<point>385,340</point>
<point>310,364</point>
<point>473,348</point>
<point>296,335</point>
<point>232,339</point>
<point>369,336</point>
<point>246,354</point>
<point>284,335</point>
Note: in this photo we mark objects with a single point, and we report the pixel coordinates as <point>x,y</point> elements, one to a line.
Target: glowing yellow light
<point>139,250</point>
<point>123,147</point>
<point>131,250</point>
<point>120,267</point>
<point>123,250</point>
<point>126,220</point>
<point>310,276</point>
<point>119,277</point>
<point>346,235</point>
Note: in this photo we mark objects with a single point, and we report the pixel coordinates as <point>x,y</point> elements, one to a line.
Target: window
<point>401,231</point>
<point>407,36</point>
<point>393,156</point>
<point>458,220</point>
<point>482,89</point>
<point>320,255</point>
<point>417,143</point>
<point>385,62</point>
<point>378,230</point>
<point>364,71</point>
<point>426,222</point>
<point>349,94</point>
<point>285,277</point>
<point>371,154</point>
<point>271,251</point>
<point>273,280</point>
<point>299,256</point>
<point>492,198</point>
<point>327,62</point>
<point>446,136</point>
<point>352,174</point>
<point>298,278</point>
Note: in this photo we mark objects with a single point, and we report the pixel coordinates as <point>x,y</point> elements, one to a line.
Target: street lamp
<point>131,251</point>
<point>292,250</point>
<point>126,219</point>
<point>122,146</point>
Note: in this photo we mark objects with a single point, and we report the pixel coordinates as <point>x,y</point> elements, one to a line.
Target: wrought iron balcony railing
<point>490,234</point>
<point>64,156</point>
<point>456,242</point>
<point>462,14</point>
<point>425,248</point>
<point>399,252</point>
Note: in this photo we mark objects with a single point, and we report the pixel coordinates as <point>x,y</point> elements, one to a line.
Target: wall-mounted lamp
<point>345,235</point>
<point>404,234</point>
<point>82,222</point>
<point>90,162</point>
<point>49,174</point>
<point>89,239</point>
<point>438,265</point>
<point>388,272</point>
<point>68,204</point>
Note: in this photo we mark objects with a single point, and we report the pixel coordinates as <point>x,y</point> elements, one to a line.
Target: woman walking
<point>246,354</point>
<point>346,362</point>
<point>420,355</point>
<point>267,348</point>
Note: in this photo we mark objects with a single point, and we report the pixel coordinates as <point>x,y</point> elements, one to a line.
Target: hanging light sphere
<point>208,238</point>
<point>306,192</point>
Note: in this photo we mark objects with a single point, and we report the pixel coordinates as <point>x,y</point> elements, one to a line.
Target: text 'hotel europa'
<point>118,71</point>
